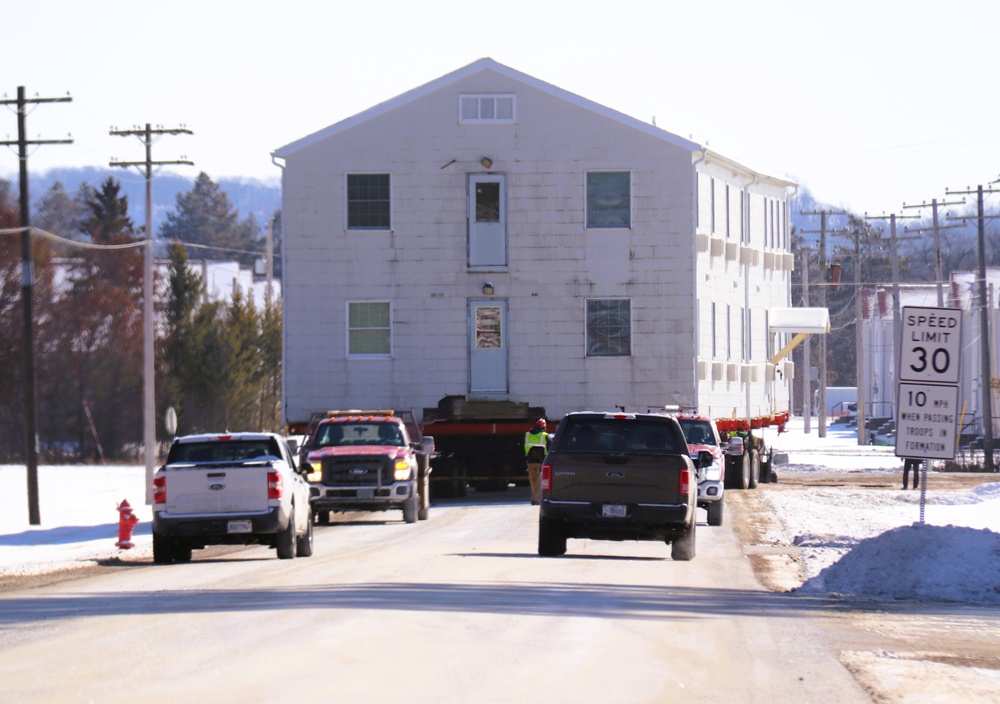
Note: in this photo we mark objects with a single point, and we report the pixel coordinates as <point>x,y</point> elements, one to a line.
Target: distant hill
<point>248,196</point>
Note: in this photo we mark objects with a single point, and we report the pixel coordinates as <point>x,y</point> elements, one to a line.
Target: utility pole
<point>984,329</point>
<point>149,390</point>
<point>27,282</point>
<point>857,234</point>
<point>821,411</point>
<point>938,274</point>
<point>806,361</point>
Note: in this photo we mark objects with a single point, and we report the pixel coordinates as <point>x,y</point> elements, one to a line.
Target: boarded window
<point>368,202</point>
<point>609,327</point>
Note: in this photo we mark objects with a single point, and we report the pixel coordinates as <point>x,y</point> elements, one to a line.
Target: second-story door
<point>487,220</point>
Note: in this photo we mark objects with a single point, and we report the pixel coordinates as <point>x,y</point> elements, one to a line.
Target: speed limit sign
<point>931,345</point>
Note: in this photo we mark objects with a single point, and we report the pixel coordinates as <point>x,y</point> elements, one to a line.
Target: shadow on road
<point>586,600</point>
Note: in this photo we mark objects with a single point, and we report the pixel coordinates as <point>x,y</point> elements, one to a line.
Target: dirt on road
<point>900,652</point>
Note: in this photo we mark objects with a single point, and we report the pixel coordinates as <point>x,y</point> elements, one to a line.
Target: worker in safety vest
<point>536,446</point>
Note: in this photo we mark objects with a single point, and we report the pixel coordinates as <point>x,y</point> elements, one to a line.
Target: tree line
<point>218,363</point>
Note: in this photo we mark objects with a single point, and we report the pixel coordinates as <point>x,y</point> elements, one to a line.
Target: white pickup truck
<point>233,488</point>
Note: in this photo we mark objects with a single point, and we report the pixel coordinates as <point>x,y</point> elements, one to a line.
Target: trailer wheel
<point>754,477</point>
<point>765,471</point>
<point>738,472</point>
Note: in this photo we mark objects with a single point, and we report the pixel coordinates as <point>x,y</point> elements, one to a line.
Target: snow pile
<point>917,562</point>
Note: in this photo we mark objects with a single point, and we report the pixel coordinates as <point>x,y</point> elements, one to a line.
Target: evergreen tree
<point>206,217</point>
<point>185,289</point>
<point>60,213</point>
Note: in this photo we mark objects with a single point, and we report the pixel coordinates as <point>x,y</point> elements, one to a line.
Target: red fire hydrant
<point>126,522</point>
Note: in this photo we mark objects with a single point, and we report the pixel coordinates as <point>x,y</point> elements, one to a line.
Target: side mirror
<point>704,458</point>
<point>735,446</point>
<point>427,445</point>
<point>293,445</point>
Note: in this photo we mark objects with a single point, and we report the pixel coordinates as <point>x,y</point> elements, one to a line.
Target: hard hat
<point>541,422</point>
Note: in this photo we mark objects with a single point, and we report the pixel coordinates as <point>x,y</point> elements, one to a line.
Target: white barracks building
<point>489,235</point>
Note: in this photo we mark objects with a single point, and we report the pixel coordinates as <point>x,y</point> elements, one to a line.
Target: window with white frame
<point>609,327</point>
<point>486,108</point>
<point>368,202</point>
<point>369,329</point>
<point>609,199</point>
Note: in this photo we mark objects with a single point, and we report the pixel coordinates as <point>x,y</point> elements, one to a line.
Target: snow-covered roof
<point>796,320</point>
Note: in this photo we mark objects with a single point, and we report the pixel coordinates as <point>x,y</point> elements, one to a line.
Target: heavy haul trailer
<point>478,443</point>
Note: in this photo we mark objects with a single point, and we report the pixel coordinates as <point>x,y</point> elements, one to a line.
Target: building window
<point>369,329</point>
<point>485,108</point>
<point>368,202</point>
<point>609,199</point>
<point>714,343</point>
<point>729,332</point>
<point>728,223</point>
<point>609,327</point>
<point>711,198</point>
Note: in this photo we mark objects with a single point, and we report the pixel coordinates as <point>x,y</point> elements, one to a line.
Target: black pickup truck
<point>619,476</point>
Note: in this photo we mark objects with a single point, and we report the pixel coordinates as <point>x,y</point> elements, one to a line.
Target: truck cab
<point>366,461</point>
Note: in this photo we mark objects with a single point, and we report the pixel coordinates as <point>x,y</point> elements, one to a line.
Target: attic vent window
<point>486,109</point>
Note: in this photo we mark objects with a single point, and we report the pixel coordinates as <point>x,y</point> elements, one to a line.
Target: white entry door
<point>488,347</point>
<point>487,220</point>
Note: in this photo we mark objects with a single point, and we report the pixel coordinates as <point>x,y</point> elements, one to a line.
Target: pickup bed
<point>233,488</point>
<point>618,476</point>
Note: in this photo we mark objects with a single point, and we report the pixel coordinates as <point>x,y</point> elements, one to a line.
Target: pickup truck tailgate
<point>222,489</point>
<point>632,478</point>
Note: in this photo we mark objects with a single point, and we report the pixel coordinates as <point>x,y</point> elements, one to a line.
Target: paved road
<point>456,609</point>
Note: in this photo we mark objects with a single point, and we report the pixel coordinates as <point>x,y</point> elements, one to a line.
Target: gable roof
<point>479,66</point>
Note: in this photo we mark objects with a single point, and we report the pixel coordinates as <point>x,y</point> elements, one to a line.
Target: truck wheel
<point>551,539</point>
<point>304,544</point>
<point>425,499</point>
<point>410,509</point>
<point>682,547</point>
<point>182,553</point>
<point>286,539</point>
<point>754,477</point>
<point>163,549</point>
<point>715,513</point>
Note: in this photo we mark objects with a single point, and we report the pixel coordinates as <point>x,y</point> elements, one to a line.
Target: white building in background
<point>221,280</point>
<point>881,354</point>
<point>490,235</point>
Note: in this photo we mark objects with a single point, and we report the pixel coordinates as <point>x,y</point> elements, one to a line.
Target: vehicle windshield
<point>697,432</point>
<point>339,434</point>
<point>617,435</point>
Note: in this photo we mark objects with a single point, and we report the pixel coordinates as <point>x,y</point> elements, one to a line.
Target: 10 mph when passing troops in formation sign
<point>928,374</point>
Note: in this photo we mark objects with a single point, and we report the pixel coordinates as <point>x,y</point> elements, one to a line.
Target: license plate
<point>613,510</point>
<point>240,527</point>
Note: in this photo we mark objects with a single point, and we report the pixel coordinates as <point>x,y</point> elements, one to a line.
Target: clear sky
<point>868,103</point>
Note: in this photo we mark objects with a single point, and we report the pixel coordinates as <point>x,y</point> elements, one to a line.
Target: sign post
<point>927,391</point>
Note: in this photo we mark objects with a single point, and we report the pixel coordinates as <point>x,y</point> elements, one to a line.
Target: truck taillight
<point>159,490</point>
<point>546,477</point>
<point>685,481</point>
<point>275,487</point>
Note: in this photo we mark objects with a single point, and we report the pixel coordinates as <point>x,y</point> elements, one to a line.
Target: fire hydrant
<point>126,522</point>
